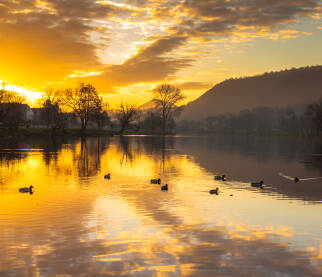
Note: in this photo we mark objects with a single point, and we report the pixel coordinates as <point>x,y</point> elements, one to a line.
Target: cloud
<point>194,85</point>
<point>151,64</point>
<point>46,41</point>
<point>219,17</point>
<point>32,50</point>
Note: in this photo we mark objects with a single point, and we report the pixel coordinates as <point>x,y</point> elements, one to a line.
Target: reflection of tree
<point>8,161</point>
<point>314,161</point>
<point>159,147</point>
<point>89,158</point>
<point>126,149</point>
<point>51,149</point>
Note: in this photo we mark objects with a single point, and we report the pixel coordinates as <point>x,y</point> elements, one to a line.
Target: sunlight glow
<point>79,73</point>
<point>31,96</point>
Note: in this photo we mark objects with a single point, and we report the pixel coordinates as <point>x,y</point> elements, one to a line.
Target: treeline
<point>308,72</point>
<point>262,120</point>
<point>82,107</point>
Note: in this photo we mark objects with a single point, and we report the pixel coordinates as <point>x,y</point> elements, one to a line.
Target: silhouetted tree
<point>314,111</point>
<point>83,101</point>
<point>127,116</point>
<point>51,111</point>
<point>167,97</point>
<point>6,98</point>
<point>152,121</point>
<point>100,117</point>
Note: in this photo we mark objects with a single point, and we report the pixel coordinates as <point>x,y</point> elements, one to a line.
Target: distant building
<point>38,116</point>
<point>16,114</point>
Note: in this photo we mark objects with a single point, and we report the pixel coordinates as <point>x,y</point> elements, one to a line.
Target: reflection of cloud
<point>127,227</point>
<point>245,159</point>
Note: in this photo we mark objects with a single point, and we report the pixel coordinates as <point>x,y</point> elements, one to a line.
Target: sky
<point>125,48</point>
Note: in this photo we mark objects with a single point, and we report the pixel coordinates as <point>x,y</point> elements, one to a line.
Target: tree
<point>167,97</point>
<point>100,117</point>
<point>7,97</point>
<point>152,121</point>
<point>12,112</point>
<point>127,115</point>
<point>314,111</point>
<point>51,111</point>
<point>83,101</point>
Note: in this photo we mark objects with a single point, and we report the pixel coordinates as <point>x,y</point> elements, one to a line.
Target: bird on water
<point>257,184</point>
<point>27,190</point>
<point>214,191</point>
<point>165,187</point>
<point>155,181</point>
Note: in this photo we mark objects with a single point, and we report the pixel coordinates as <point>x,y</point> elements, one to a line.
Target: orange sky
<point>127,47</point>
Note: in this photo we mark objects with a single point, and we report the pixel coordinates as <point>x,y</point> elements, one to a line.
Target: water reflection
<point>248,159</point>
<point>77,222</point>
<point>88,157</point>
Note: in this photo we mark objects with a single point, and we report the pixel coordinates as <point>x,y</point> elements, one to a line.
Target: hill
<point>294,87</point>
<point>150,105</point>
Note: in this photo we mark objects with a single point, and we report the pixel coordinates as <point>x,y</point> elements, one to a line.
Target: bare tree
<point>83,101</point>
<point>167,97</point>
<point>127,115</point>
<point>9,101</point>
<point>51,110</point>
<point>314,112</point>
<point>101,117</point>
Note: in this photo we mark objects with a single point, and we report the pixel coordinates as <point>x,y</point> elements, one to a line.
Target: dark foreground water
<point>79,224</point>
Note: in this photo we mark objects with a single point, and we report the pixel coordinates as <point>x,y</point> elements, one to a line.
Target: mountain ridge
<point>286,88</point>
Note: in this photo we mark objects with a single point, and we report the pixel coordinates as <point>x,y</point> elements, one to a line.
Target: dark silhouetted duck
<point>258,184</point>
<point>220,177</point>
<point>107,176</point>
<point>155,181</point>
<point>214,191</point>
<point>296,179</point>
<point>165,187</point>
<point>27,190</point>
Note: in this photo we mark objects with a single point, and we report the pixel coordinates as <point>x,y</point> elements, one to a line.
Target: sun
<point>30,95</point>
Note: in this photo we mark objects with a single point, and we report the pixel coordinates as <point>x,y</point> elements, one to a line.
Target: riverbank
<point>30,132</point>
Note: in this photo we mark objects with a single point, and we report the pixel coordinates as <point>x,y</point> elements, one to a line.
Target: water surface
<point>76,223</point>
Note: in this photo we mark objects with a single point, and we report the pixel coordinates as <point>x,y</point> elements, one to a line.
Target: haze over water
<point>76,222</point>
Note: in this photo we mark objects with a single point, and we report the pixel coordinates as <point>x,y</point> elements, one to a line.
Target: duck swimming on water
<point>165,187</point>
<point>296,179</point>
<point>155,181</point>
<point>214,191</point>
<point>220,177</point>
<point>107,176</point>
<point>27,190</point>
<point>257,184</point>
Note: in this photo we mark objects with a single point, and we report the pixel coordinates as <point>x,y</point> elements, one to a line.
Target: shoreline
<point>8,135</point>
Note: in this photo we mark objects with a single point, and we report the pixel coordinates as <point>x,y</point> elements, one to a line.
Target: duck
<point>155,181</point>
<point>165,187</point>
<point>297,179</point>
<point>107,176</point>
<point>27,190</point>
<point>257,184</point>
<point>214,191</point>
<point>220,177</point>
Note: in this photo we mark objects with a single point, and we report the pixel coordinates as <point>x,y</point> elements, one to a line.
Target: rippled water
<point>76,223</point>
